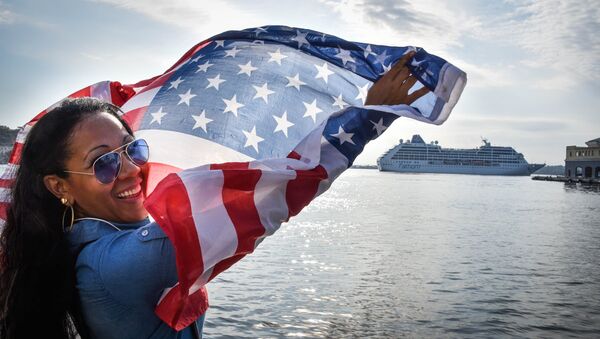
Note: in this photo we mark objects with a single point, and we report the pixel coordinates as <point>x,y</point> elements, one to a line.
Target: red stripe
<point>230,166</point>
<point>134,117</point>
<point>15,155</point>
<point>84,92</point>
<point>157,82</point>
<point>154,172</point>
<point>187,311</point>
<point>144,83</point>
<point>225,264</point>
<point>238,199</point>
<point>302,190</point>
<point>239,184</point>
<point>6,183</point>
<point>170,207</point>
<point>119,94</point>
<point>294,155</point>
<point>4,210</point>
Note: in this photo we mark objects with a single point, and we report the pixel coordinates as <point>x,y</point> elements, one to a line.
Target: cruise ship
<point>416,156</point>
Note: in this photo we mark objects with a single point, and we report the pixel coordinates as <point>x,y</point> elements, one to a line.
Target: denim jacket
<point>121,276</point>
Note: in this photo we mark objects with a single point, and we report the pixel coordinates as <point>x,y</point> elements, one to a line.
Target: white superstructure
<point>416,156</point>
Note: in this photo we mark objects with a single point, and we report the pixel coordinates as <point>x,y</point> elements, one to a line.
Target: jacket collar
<point>87,230</point>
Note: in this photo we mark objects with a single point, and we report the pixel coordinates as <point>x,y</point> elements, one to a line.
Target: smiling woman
<point>103,271</point>
<point>81,164</point>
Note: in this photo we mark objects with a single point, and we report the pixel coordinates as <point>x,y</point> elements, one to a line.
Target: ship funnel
<point>416,139</point>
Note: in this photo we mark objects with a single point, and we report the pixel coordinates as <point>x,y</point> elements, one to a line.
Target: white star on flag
<point>201,120</point>
<point>379,126</point>
<point>220,43</point>
<point>215,82</point>
<point>343,136</point>
<point>339,101</point>
<point>247,68</point>
<point>294,81</point>
<point>311,110</point>
<point>386,68</point>
<point>196,58</point>
<point>362,92</point>
<point>381,58</point>
<point>157,116</point>
<point>345,56</point>
<point>277,56</point>
<point>262,92</point>
<point>282,124</point>
<point>186,97</point>
<point>323,72</point>
<point>232,52</point>
<point>204,67</point>
<point>259,30</point>
<point>252,139</point>
<point>175,84</point>
<point>300,38</point>
<point>232,105</point>
<point>368,51</point>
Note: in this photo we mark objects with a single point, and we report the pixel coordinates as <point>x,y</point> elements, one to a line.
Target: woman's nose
<point>128,168</point>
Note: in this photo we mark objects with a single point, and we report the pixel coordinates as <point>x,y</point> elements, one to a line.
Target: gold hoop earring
<point>65,202</point>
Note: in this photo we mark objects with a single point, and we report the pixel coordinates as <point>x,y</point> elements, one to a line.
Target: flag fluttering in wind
<point>262,120</point>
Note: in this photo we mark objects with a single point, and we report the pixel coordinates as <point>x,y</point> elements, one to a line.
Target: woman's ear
<point>56,185</point>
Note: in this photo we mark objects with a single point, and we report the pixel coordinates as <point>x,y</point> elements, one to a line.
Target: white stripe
<point>309,148</point>
<point>5,194</point>
<point>140,100</point>
<point>201,281</point>
<point>269,197</point>
<point>22,135</point>
<point>334,163</point>
<point>216,232</point>
<point>186,151</point>
<point>101,91</point>
<point>9,171</point>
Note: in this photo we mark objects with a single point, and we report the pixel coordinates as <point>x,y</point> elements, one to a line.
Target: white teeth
<point>129,193</point>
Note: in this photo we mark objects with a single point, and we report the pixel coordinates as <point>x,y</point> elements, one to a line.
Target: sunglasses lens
<point>106,168</point>
<point>138,152</point>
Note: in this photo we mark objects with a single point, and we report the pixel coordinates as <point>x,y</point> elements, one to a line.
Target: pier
<point>561,178</point>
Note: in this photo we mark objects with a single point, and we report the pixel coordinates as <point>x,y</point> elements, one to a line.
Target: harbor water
<point>390,255</point>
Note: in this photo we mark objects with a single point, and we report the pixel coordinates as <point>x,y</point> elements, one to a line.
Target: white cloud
<point>418,23</point>
<point>6,16</point>
<point>558,36</point>
<point>553,39</point>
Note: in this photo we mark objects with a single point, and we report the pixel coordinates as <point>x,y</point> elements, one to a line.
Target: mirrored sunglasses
<point>107,167</point>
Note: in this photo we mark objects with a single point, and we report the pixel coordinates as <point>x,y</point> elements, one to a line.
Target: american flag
<point>278,113</point>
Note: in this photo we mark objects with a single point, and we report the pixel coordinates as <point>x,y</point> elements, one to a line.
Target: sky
<point>533,67</point>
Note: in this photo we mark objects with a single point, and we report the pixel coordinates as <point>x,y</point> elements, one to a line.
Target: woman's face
<point>120,201</point>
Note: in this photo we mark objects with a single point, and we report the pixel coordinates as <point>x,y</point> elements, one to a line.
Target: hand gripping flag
<point>271,116</point>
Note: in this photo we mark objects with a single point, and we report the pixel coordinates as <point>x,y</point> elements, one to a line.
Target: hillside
<point>7,139</point>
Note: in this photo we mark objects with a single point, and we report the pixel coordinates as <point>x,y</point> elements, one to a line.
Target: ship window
<point>570,153</point>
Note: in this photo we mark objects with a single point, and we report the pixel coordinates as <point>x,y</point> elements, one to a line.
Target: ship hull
<point>478,170</point>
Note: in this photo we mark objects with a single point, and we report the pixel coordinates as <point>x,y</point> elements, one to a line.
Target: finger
<point>417,94</point>
<point>400,65</point>
<point>408,84</point>
<point>405,58</point>
<point>402,75</point>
